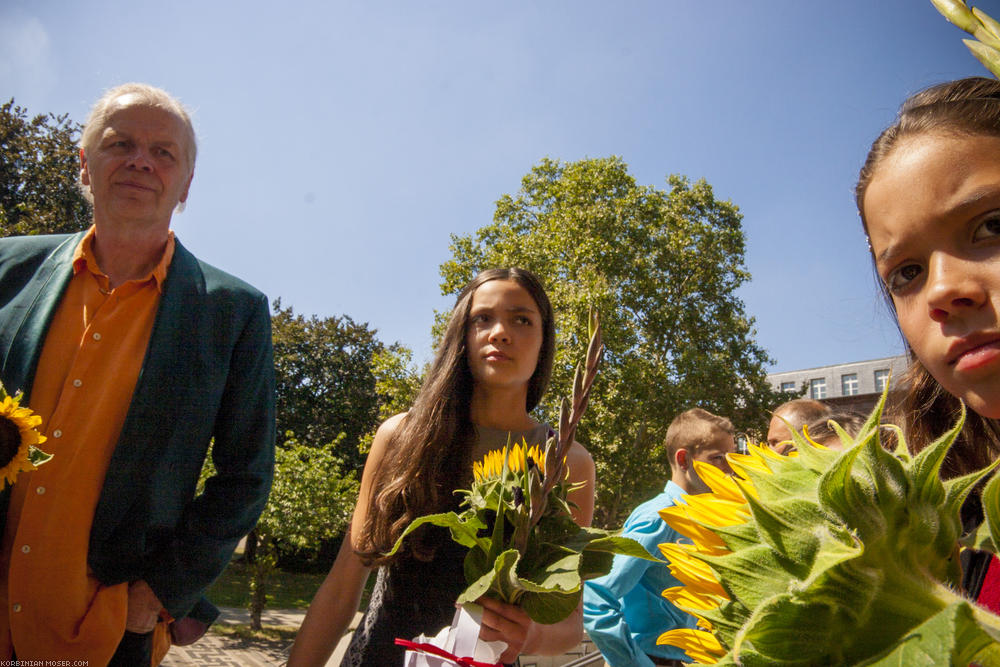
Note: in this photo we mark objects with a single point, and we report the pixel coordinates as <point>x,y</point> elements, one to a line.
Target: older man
<point>793,414</point>
<point>137,355</point>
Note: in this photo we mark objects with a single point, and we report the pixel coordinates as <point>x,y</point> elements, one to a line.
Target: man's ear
<point>84,174</point>
<point>681,459</point>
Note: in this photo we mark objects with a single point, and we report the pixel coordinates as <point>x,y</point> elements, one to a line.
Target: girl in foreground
<point>492,366</point>
<point>929,197</point>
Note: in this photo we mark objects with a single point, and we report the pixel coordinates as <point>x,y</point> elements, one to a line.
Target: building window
<point>788,386</point>
<point>849,384</point>
<point>881,379</point>
<point>817,388</point>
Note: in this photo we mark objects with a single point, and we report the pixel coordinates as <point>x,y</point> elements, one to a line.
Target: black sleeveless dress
<point>413,597</point>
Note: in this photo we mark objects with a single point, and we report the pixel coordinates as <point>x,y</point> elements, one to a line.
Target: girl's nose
<point>499,332</point>
<point>952,287</point>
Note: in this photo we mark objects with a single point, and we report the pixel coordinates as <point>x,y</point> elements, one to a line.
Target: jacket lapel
<point>143,434</point>
<point>25,335</point>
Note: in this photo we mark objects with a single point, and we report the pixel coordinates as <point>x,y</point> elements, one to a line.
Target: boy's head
<point>698,435</point>
<point>795,413</point>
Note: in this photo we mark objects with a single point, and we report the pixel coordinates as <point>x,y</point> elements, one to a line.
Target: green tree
<point>311,501</point>
<point>326,387</point>
<point>39,164</point>
<point>662,267</point>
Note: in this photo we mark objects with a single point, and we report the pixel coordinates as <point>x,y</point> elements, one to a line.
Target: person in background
<point>137,356</point>
<point>491,369</point>
<point>792,415</point>
<point>822,432</point>
<point>624,612</point>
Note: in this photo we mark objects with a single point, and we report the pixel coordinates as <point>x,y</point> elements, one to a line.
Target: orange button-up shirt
<point>51,605</point>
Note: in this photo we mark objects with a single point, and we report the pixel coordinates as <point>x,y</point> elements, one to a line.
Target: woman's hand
<point>507,623</point>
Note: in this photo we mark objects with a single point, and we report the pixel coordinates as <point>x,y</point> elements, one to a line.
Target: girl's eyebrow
<point>971,201</point>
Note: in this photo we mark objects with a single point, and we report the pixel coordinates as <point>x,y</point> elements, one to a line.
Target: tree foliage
<point>39,164</point>
<point>662,267</point>
<point>311,501</point>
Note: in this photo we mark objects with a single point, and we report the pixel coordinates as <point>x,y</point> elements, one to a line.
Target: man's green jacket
<point>207,378</point>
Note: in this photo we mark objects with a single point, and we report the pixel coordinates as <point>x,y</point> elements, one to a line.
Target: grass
<point>286,590</point>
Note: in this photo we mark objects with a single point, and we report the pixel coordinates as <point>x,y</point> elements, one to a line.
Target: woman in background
<point>490,371</point>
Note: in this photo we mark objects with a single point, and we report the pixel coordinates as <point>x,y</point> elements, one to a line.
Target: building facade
<point>853,386</point>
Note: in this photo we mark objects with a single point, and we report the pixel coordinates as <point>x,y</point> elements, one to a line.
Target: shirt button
<point>97,336</point>
<point>78,382</point>
<point>25,549</point>
<point>16,607</point>
<point>57,433</point>
<point>40,490</point>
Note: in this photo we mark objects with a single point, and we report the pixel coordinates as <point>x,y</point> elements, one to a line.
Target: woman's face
<point>504,334</point>
<point>933,213</point>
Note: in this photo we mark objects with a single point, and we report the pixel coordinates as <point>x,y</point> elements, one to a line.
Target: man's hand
<point>143,608</point>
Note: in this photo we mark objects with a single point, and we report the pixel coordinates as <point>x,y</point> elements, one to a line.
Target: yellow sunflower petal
<point>754,462</point>
<point>679,518</point>
<point>691,571</point>
<point>709,508</point>
<point>700,646</point>
<point>721,484</point>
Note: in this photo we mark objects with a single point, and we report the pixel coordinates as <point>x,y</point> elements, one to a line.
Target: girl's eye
<point>900,278</point>
<point>988,229</point>
<point>524,320</point>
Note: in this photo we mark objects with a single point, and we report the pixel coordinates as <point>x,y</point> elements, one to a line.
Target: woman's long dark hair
<point>924,408</point>
<point>427,457</point>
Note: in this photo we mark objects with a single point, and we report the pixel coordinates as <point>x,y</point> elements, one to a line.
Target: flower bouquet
<point>19,438</point>
<point>524,547</point>
<point>832,558</point>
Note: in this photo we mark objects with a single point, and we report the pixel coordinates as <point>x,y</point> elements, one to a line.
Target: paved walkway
<point>215,650</point>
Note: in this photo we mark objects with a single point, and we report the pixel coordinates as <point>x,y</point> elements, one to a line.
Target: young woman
<point>929,197</point>
<point>490,371</point>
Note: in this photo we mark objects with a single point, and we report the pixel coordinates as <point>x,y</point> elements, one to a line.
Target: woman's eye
<point>902,277</point>
<point>988,229</point>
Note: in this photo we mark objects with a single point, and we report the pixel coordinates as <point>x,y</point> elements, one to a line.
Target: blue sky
<point>341,143</point>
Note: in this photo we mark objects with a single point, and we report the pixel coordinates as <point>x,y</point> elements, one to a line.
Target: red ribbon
<point>441,653</point>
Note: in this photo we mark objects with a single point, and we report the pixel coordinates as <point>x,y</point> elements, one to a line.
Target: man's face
<point>714,454</point>
<point>777,432</point>
<point>138,168</point>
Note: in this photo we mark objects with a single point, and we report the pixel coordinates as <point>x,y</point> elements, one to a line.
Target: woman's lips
<point>974,354</point>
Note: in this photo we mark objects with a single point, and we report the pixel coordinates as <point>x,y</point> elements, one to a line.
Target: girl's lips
<point>497,356</point>
<point>977,355</point>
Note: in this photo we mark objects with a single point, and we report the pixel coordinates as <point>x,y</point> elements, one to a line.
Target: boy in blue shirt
<point>624,611</point>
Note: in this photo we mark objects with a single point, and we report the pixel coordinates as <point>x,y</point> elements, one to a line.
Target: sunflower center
<point>10,440</point>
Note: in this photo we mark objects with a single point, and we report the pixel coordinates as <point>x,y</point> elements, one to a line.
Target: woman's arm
<point>336,601</point>
<point>510,623</point>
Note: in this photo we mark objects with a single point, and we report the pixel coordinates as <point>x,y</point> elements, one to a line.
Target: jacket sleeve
<point>233,499</point>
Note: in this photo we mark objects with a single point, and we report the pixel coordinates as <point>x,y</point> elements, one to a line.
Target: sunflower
<point>19,438</point>
<point>831,557</point>
<point>519,458</point>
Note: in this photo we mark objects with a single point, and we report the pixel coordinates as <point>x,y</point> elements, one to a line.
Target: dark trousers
<point>135,650</point>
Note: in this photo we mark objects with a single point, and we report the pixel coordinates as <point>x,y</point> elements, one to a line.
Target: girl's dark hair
<point>923,408</point>
<point>426,457</point>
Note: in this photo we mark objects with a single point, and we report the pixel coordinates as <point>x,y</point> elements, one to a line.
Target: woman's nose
<point>952,286</point>
<point>499,332</point>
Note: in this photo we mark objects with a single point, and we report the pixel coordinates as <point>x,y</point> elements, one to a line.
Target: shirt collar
<point>84,258</point>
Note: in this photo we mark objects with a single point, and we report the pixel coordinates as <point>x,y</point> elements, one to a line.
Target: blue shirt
<point>624,612</point>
